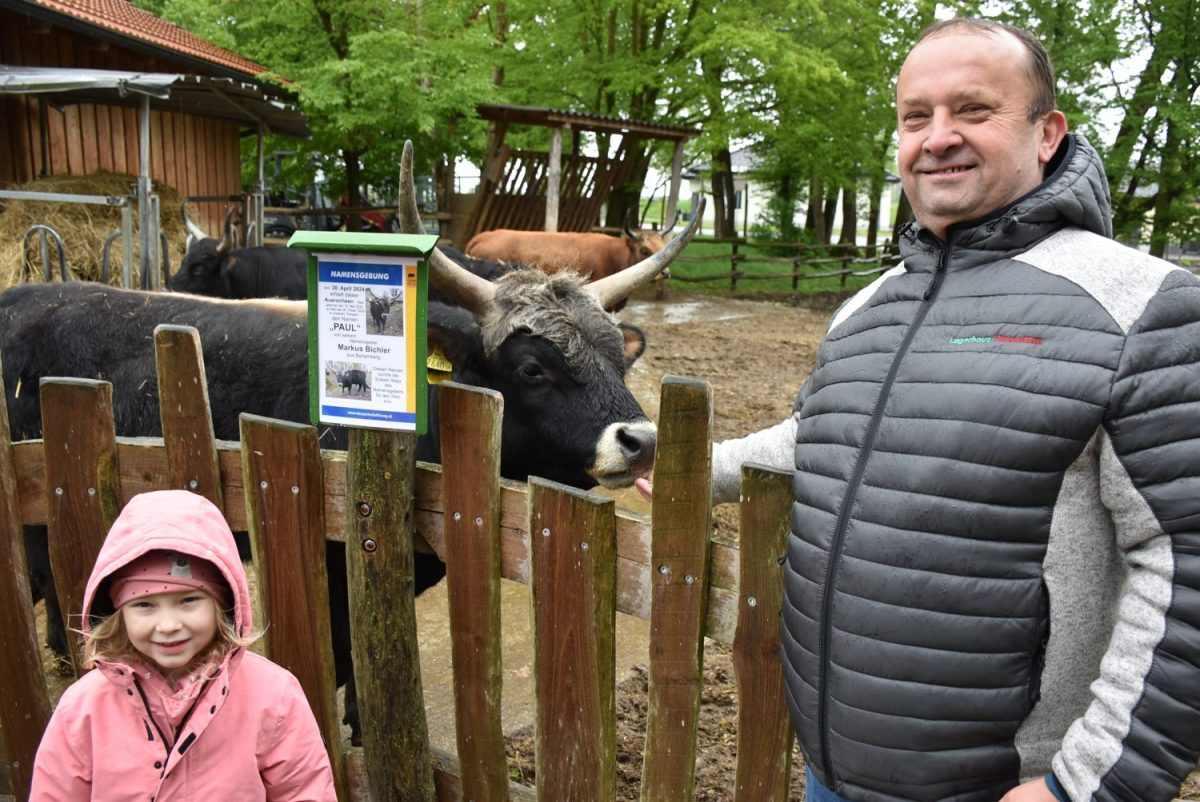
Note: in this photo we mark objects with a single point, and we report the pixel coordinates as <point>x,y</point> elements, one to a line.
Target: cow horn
<point>629,232</point>
<point>670,228</point>
<point>193,229</point>
<point>227,231</point>
<point>611,290</point>
<point>467,289</point>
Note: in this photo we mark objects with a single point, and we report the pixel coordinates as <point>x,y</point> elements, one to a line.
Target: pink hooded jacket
<point>242,730</point>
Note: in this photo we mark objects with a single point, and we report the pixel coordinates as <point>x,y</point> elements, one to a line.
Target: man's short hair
<point>1038,68</point>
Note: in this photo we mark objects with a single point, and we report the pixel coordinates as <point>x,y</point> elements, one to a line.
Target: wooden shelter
<point>196,143</point>
<point>553,190</point>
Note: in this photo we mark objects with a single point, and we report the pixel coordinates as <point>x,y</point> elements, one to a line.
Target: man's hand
<point>645,486</point>
<point>1032,791</point>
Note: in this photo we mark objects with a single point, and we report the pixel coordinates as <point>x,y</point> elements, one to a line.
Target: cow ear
<point>459,340</point>
<point>635,342</point>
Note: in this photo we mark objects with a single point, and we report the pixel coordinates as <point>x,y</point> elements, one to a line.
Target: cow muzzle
<point>624,452</point>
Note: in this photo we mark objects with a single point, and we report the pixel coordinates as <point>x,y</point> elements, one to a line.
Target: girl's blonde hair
<point>108,642</point>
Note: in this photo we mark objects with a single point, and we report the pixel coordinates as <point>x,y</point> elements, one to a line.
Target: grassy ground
<point>706,266</point>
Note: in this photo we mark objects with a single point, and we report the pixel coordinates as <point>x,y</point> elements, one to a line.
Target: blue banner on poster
<point>360,273</point>
<point>369,414</point>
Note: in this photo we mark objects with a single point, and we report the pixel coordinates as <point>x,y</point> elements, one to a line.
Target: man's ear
<point>1052,128</point>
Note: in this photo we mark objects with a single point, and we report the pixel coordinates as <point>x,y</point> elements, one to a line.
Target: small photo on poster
<point>347,380</point>
<point>385,311</point>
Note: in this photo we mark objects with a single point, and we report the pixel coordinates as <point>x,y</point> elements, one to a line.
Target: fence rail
<point>584,559</point>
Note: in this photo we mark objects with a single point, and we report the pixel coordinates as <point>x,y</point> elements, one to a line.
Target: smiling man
<point>991,578</point>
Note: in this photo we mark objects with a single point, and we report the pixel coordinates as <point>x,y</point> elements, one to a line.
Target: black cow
<point>544,342</point>
<point>380,309</point>
<point>212,267</point>
<point>349,379</point>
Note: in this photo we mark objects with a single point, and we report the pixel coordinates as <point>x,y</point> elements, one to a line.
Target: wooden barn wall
<point>193,155</point>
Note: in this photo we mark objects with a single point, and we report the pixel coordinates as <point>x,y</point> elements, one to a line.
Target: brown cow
<point>593,256</point>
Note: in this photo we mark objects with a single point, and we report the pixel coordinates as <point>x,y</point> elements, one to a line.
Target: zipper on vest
<point>843,520</point>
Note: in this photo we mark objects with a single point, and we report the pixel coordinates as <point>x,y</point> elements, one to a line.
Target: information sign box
<point>366,328</point>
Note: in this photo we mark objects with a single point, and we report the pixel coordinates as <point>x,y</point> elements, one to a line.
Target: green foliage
<point>810,83</point>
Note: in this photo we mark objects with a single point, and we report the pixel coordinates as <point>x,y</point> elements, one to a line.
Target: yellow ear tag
<point>438,367</point>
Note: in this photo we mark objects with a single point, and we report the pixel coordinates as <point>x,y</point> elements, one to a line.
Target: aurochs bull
<point>544,342</point>
<point>592,255</point>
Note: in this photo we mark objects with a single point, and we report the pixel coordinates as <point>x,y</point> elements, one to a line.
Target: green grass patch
<point>759,263</point>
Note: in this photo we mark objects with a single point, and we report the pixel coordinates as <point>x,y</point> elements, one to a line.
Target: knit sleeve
<point>1141,734</point>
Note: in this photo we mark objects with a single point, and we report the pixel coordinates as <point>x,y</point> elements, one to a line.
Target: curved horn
<point>629,232</point>
<point>670,228</point>
<point>611,290</point>
<point>227,231</point>
<point>467,289</point>
<point>193,229</point>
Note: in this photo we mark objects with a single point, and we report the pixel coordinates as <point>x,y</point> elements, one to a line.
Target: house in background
<point>751,195</point>
<point>195,145</point>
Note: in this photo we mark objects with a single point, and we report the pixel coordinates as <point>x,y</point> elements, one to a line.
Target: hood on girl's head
<point>168,521</point>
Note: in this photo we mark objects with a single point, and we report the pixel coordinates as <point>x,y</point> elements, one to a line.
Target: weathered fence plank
<point>282,467</point>
<point>470,436</point>
<point>380,478</point>
<point>186,418</point>
<point>573,586</point>
<point>83,485</point>
<point>764,734</point>
<point>682,523</point>
<point>24,705</point>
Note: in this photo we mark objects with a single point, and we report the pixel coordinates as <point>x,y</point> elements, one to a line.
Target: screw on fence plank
<point>364,509</point>
<point>750,600</point>
<point>369,545</point>
<point>193,484</point>
<point>584,545</point>
<point>458,516</point>
<point>478,521</point>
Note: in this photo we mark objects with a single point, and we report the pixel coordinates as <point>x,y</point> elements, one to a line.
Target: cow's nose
<point>637,442</point>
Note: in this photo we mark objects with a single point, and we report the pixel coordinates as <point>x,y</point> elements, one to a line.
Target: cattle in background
<point>544,342</point>
<point>593,256</point>
<point>215,268</point>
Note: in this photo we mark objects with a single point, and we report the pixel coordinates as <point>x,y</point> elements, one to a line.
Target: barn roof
<point>239,102</point>
<point>122,21</point>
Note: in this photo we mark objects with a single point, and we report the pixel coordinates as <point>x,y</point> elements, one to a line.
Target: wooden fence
<point>585,560</point>
<point>832,261</point>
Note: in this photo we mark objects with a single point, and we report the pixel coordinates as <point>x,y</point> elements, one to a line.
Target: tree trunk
<point>500,40</point>
<point>353,194</point>
<point>876,191</point>
<point>723,194</point>
<point>849,235</point>
<point>816,210</point>
<point>831,204</point>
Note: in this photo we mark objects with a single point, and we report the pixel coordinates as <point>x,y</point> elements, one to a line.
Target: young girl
<point>177,708</point>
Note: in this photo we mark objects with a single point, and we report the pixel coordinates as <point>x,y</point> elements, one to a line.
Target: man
<point>991,580</point>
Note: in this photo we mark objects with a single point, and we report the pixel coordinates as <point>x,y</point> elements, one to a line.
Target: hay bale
<point>83,227</point>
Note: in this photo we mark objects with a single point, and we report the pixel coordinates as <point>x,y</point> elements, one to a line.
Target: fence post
<point>733,266</point>
<point>573,581</point>
<point>185,413</point>
<point>380,484</point>
<point>681,523</point>
<point>764,733</point>
<point>83,485</point>
<point>24,703</point>
<point>470,437</point>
